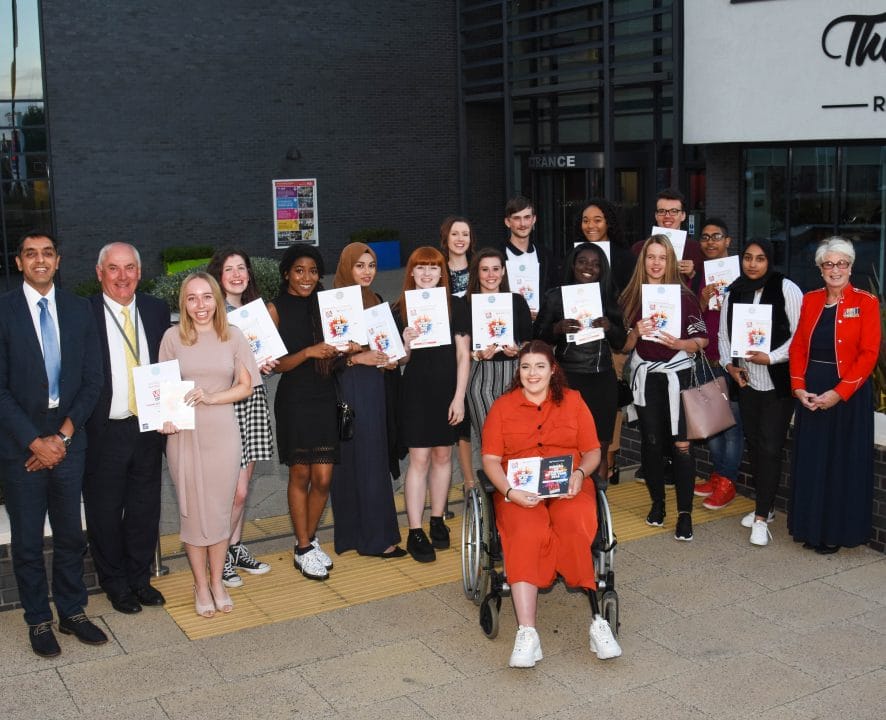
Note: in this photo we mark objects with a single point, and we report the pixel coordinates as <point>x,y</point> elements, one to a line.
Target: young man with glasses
<point>726,447</point>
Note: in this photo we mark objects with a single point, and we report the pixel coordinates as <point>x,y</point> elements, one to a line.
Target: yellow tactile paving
<point>283,594</point>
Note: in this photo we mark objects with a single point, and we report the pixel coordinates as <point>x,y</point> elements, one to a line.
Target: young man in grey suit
<point>121,488</point>
<point>50,378</point>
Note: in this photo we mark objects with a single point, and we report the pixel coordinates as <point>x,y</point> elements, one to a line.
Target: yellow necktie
<point>131,359</point>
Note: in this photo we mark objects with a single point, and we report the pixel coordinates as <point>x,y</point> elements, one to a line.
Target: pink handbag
<point>706,405</point>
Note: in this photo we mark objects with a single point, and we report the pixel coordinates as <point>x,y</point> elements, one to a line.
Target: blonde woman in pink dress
<point>205,462</point>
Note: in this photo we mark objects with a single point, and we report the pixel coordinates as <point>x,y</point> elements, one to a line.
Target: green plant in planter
<point>177,258</point>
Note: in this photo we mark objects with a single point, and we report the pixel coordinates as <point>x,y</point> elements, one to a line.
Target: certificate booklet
<point>604,246</point>
<point>341,314</point>
<point>382,331</point>
<point>523,278</point>
<point>720,273</point>
<point>159,396</point>
<point>428,312</point>
<point>751,329</point>
<point>661,304</point>
<point>547,477</point>
<point>492,320</point>
<point>677,238</point>
<point>582,302</point>
<point>256,324</point>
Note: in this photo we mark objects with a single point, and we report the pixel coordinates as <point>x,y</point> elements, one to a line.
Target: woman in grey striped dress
<point>493,366</point>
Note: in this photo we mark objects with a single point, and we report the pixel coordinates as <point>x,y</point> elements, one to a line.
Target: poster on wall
<point>295,212</point>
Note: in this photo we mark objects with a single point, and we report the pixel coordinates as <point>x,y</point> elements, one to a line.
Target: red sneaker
<point>724,493</point>
<point>706,488</point>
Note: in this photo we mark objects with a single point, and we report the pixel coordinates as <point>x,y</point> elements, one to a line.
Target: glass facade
<point>799,195</point>
<point>25,200</point>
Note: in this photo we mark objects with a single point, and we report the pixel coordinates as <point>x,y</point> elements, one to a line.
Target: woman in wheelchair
<point>542,538</point>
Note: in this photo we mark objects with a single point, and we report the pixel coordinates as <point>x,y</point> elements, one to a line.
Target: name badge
<point>852,312</point>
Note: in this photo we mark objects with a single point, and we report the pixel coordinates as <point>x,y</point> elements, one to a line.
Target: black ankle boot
<point>439,533</point>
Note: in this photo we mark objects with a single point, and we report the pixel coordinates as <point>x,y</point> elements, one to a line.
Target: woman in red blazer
<point>832,356</point>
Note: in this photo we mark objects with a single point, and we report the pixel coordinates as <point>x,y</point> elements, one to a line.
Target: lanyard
<point>133,350</point>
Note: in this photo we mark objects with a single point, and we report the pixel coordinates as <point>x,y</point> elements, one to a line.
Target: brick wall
<point>169,120</point>
<point>630,455</point>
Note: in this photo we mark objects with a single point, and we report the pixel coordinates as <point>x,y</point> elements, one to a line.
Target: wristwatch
<point>65,439</point>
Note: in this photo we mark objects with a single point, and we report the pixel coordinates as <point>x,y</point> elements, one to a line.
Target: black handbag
<point>344,413</point>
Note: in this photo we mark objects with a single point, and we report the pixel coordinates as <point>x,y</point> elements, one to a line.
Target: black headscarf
<point>743,285</point>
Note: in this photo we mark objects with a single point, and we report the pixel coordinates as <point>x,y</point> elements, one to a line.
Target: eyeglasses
<point>842,264</point>
<point>717,237</point>
<point>673,212</point>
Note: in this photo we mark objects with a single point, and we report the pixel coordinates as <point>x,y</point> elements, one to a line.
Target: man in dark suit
<point>121,489</point>
<point>50,378</point>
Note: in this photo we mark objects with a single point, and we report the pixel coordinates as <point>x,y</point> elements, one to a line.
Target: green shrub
<point>174,253</point>
<point>267,278</point>
<point>369,235</point>
<point>179,265</point>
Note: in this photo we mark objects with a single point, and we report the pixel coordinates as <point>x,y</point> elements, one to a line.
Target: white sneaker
<point>748,520</point>
<point>760,533</point>
<point>527,648</point>
<point>327,561</point>
<point>310,565</point>
<point>602,640</point>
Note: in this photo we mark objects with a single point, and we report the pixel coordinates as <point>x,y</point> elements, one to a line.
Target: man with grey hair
<point>121,487</point>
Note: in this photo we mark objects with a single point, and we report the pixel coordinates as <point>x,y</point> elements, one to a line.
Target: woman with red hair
<point>542,538</point>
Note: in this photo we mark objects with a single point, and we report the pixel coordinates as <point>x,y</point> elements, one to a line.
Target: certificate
<point>720,273</point>
<point>159,396</point>
<point>582,302</point>
<point>662,304</point>
<point>428,312</point>
<point>547,477</point>
<point>492,320</point>
<point>256,324</point>
<point>604,246</point>
<point>751,329</point>
<point>523,278</point>
<point>677,238</point>
<point>382,331</point>
<point>341,316</point>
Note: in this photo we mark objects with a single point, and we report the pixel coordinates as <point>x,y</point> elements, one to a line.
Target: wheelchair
<point>481,556</point>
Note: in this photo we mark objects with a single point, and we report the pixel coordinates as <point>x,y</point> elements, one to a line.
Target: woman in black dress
<point>307,431</point>
<point>362,496</point>
<point>588,366</point>
<point>432,404</point>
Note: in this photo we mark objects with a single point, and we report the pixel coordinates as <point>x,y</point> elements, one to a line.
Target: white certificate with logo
<point>382,331</point>
<point>428,312</point>
<point>159,396</point>
<point>492,320</point>
<point>751,329</point>
<point>341,316</point>
<point>677,238</point>
<point>720,273</point>
<point>582,302</point>
<point>255,323</point>
<point>523,278</point>
<point>662,305</point>
<point>604,246</point>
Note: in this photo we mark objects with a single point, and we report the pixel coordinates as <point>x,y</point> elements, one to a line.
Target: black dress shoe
<point>148,595</point>
<point>127,604</point>
<point>82,628</point>
<point>397,552</point>
<point>827,549</point>
<point>43,641</point>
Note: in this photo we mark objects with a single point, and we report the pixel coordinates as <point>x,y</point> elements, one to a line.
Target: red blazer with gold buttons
<point>856,338</point>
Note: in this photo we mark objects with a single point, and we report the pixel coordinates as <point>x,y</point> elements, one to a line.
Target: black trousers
<point>657,439</point>
<point>121,495</point>
<point>765,419</point>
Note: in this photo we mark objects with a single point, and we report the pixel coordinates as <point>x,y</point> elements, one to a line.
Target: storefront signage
<point>786,71</point>
<point>565,161</point>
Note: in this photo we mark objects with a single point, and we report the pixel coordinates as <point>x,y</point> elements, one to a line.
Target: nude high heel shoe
<point>223,603</point>
<point>206,611</point>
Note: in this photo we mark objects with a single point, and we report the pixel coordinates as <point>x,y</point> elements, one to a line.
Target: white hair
<point>837,245</point>
<point>107,248</point>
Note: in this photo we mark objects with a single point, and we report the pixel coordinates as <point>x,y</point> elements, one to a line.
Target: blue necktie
<point>52,357</point>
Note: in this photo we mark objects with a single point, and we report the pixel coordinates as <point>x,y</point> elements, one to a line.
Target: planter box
<point>388,253</point>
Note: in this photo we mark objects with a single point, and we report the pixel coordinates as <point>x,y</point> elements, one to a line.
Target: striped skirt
<point>489,380</point>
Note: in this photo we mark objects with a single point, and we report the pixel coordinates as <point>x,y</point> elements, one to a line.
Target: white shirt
<point>758,375</point>
<point>117,351</point>
<point>33,298</point>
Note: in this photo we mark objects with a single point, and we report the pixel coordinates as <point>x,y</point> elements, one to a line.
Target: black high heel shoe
<point>614,475</point>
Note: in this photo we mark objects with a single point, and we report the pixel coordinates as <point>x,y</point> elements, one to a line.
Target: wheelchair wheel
<point>475,546</point>
<point>489,610</point>
<point>609,610</point>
